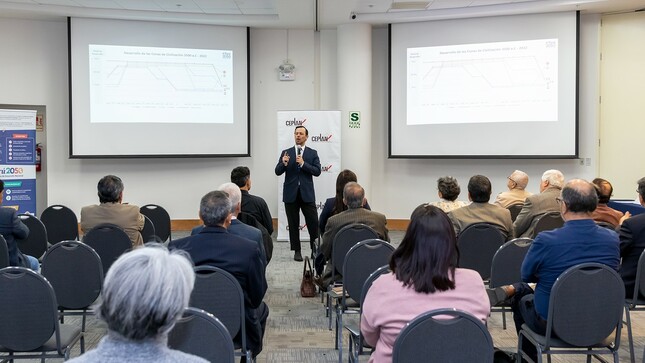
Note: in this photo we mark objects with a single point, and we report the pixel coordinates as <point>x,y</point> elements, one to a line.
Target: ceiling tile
<point>57,2</point>
<point>179,6</point>
<point>148,5</point>
<point>449,4</point>
<point>103,4</point>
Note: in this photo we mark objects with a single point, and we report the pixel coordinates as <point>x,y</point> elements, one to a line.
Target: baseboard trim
<point>188,224</point>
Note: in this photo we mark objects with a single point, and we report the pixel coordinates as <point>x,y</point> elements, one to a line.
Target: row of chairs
<point>59,223</point>
<point>585,317</point>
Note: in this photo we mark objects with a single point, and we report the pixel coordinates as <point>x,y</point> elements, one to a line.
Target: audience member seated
<point>238,228</point>
<point>11,227</point>
<point>632,243</point>
<point>537,205</point>
<point>144,294</point>
<point>424,277</point>
<point>480,211</point>
<point>580,240</point>
<point>354,198</point>
<point>603,212</point>
<point>252,204</point>
<point>448,191</point>
<point>516,193</point>
<point>335,205</point>
<point>215,246</point>
<point>112,210</point>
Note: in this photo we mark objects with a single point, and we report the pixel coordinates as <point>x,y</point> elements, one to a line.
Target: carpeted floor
<point>297,329</point>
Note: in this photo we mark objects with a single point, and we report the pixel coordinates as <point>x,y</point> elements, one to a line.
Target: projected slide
<point>480,83</point>
<point>165,85</point>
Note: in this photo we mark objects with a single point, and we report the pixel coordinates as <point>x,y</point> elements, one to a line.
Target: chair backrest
<point>202,334</point>
<point>75,272</point>
<point>477,245</point>
<point>27,309</point>
<point>149,233</point>
<point>219,293</point>
<point>345,239</point>
<point>4,253</point>
<point>370,280</point>
<point>61,223</point>
<point>109,241</point>
<point>586,305</point>
<point>444,335</point>
<point>160,219</point>
<point>547,222</point>
<point>507,262</point>
<point>360,262</point>
<point>36,242</point>
<point>515,210</point>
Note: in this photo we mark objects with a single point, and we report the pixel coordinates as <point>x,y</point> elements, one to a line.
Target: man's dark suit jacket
<point>240,229</point>
<point>258,208</point>
<point>11,227</point>
<point>214,246</point>
<point>632,244</point>
<point>299,177</point>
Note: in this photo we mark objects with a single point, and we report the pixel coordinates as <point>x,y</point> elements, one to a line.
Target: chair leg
<point>630,338</point>
<point>504,318</point>
<point>339,334</point>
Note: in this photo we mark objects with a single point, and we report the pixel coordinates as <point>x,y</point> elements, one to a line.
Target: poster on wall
<point>324,136</point>
<point>18,159</point>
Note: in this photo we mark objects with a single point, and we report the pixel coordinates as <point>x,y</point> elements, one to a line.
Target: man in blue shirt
<point>580,240</point>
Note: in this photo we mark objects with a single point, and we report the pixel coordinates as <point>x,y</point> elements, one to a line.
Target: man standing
<point>480,211</point>
<point>632,243</point>
<point>354,198</point>
<point>516,193</point>
<point>252,204</point>
<point>215,246</point>
<point>111,210</point>
<point>580,240</point>
<point>301,165</point>
<point>537,205</point>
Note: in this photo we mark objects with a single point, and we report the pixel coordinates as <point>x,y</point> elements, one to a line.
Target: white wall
<point>36,73</point>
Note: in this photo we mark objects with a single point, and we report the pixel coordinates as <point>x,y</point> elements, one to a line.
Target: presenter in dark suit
<point>301,165</point>
<point>215,246</point>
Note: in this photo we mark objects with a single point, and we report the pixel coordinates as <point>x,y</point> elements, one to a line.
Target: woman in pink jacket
<point>424,277</point>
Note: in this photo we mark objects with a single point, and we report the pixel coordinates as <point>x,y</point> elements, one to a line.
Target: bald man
<point>516,193</point>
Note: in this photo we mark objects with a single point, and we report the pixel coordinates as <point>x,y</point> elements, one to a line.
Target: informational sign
<point>18,159</point>
<point>324,136</point>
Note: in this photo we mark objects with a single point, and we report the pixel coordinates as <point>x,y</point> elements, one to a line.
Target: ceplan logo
<point>320,205</point>
<point>327,168</point>
<point>321,138</point>
<point>295,122</point>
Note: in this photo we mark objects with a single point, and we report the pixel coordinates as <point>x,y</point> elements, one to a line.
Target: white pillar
<point>354,66</point>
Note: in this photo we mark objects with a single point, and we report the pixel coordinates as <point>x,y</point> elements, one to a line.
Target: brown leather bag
<point>307,286</point>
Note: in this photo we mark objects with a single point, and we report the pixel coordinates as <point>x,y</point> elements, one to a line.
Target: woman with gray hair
<point>448,191</point>
<point>144,293</point>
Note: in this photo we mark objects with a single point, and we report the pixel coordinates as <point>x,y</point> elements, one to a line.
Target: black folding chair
<point>75,272</point>
<point>360,262</point>
<point>219,293</point>
<point>477,245</point>
<point>160,219</point>
<point>202,334</point>
<point>548,221</point>
<point>515,210</point>
<point>505,269</point>
<point>585,314</point>
<point>36,242</point>
<point>148,233</point>
<point>109,241</point>
<point>636,302</point>
<point>28,311</point>
<point>61,223</point>
<point>4,253</point>
<point>444,335</point>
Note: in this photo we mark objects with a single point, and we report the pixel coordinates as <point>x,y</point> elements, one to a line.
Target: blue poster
<point>18,159</point>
